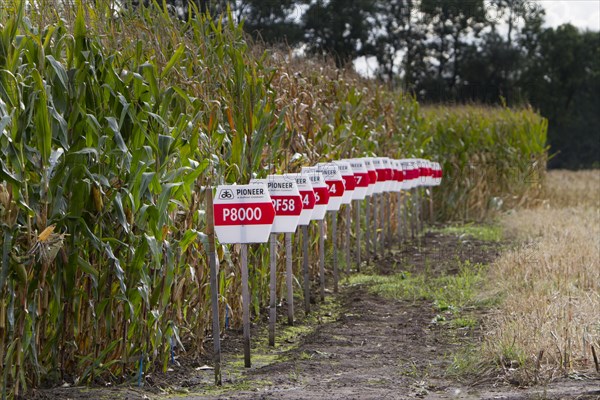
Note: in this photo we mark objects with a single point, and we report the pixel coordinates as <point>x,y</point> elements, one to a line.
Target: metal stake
<point>405,215</point>
<point>289,277</point>
<point>322,258</point>
<point>358,229</point>
<point>398,216</point>
<point>368,230</point>
<point>214,289</point>
<point>272,286</point>
<point>305,269</point>
<point>348,238</point>
<point>383,223</point>
<point>335,255</point>
<point>413,225</point>
<point>245,305</point>
<point>431,216</point>
<point>375,216</point>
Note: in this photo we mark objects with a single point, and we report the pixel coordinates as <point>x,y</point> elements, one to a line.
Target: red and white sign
<point>398,175</point>
<point>411,173</point>
<point>372,175</point>
<point>349,181</point>
<point>335,182</point>
<point>422,165</point>
<point>307,196</point>
<point>321,191</point>
<point>437,174</point>
<point>243,213</point>
<point>429,173</point>
<point>361,178</point>
<point>286,201</point>
<point>381,175</point>
<point>389,175</point>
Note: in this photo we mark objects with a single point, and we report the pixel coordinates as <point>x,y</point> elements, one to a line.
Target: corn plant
<point>493,158</point>
<point>113,126</point>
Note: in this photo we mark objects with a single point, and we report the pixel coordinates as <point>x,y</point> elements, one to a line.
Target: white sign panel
<point>321,191</point>
<point>381,175</point>
<point>411,173</point>
<point>307,196</point>
<point>243,213</point>
<point>372,175</point>
<point>286,201</point>
<point>361,178</point>
<point>349,181</point>
<point>387,167</point>
<point>397,175</point>
<point>334,182</point>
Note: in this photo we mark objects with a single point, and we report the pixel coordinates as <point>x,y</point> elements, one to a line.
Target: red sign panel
<point>287,205</point>
<point>243,214</point>
<point>336,188</point>
<point>321,195</point>
<point>308,199</point>
<point>349,182</point>
<point>361,179</point>
<point>372,176</point>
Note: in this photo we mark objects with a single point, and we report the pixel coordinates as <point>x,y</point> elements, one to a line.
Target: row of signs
<point>279,203</point>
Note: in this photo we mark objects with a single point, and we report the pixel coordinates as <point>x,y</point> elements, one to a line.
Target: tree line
<point>452,51</point>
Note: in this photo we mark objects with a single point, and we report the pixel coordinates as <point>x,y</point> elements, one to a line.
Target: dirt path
<point>377,349</point>
<point>382,349</point>
<point>358,346</point>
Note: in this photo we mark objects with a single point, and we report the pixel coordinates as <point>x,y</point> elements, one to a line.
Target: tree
<point>397,33</point>
<point>272,20</point>
<point>339,28</point>
<point>562,78</point>
<point>450,23</point>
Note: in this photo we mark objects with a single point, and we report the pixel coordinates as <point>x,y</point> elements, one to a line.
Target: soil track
<point>366,348</point>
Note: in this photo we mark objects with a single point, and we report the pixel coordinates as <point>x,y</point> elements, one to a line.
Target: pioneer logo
<point>226,194</point>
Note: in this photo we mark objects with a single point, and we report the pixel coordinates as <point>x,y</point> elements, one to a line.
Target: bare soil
<point>356,346</point>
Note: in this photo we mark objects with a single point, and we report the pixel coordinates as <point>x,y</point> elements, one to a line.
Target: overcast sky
<point>581,13</point>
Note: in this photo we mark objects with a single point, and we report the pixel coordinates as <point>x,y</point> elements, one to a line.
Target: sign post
<point>308,198</point>
<point>288,207</point>
<point>361,180</point>
<point>335,182</point>
<point>436,181</point>
<point>411,175</point>
<point>243,214</point>
<point>422,183</point>
<point>349,189</point>
<point>378,200</point>
<point>214,291</point>
<point>321,201</point>
<point>385,204</point>
<point>399,178</point>
<point>370,195</point>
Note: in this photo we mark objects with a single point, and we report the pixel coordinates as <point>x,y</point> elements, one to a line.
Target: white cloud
<point>583,14</point>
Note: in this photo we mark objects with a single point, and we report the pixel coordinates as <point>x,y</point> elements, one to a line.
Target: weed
<point>489,232</point>
<point>464,322</point>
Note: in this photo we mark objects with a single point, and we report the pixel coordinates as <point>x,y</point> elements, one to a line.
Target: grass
<point>550,282</point>
<point>486,232</point>
<point>465,322</point>
<point>446,292</point>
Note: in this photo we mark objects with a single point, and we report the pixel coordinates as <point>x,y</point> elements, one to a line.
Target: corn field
<point>112,126</point>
